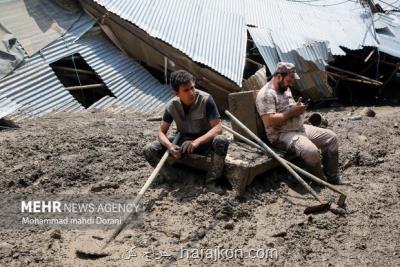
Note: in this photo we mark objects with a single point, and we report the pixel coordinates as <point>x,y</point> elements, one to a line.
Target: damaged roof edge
<point>219,44</point>
<point>38,91</point>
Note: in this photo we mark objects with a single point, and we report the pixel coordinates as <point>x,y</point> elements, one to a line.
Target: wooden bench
<point>242,165</point>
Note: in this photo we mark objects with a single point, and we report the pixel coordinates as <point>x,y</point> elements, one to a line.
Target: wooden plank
<point>242,106</point>
<point>74,70</point>
<point>83,87</point>
<point>351,73</point>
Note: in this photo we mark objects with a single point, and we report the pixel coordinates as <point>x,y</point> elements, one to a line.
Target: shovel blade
<point>317,208</point>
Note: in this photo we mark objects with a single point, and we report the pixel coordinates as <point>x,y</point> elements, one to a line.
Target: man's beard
<point>281,87</point>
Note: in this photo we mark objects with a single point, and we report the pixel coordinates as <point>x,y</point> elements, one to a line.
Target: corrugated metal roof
<point>389,4</point>
<point>215,40</point>
<point>310,62</point>
<point>287,31</point>
<point>7,107</point>
<point>36,23</point>
<point>388,32</point>
<point>38,90</point>
<point>296,23</point>
<point>389,44</point>
<point>132,85</point>
<point>205,29</point>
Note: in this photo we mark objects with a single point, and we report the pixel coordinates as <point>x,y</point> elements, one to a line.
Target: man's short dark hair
<point>180,77</point>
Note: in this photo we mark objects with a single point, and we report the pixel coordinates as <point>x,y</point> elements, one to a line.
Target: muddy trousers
<point>217,149</point>
<point>307,145</point>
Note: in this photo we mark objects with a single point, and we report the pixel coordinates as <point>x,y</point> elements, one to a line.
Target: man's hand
<point>297,109</point>
<point>175,152</point>
<point>188,147</point>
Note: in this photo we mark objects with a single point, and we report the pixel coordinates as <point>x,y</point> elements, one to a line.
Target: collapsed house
<point>78,69</point>
<point>226,44</point>
<point>119,54</point>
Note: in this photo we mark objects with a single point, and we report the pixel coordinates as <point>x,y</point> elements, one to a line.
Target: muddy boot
<point>214,173</point>
<point>168,173</point>
<point>331,162</point>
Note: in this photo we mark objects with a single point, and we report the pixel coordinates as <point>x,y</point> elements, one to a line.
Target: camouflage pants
<point>307,144</point>
<point>219,146</point>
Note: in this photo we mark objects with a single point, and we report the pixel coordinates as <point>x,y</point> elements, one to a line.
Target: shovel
<point>342,196</point>
<point>95,251</point>
<point>318,208</point>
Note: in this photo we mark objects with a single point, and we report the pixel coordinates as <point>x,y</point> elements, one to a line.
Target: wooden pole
<point>83,87</point>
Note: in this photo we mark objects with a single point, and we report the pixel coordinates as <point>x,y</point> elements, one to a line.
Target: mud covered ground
<point>101,153</point>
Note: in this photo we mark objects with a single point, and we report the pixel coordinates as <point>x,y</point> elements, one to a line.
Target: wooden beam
<point>344,78</point>
<point>369,56</point>
<point>351,73</point>
<point>255,62</point>
<point>362,81</point>
<point>83,87</point>
<point>74,70</point>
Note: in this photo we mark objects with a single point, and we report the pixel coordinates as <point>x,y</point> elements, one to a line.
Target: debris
<point>229,226</point>
<point>280,234</point>
<point>104,185</point>
<point>368,112</point>
<point>55,234</point>
<point>8,124</point>
<point>316,119</point>
<point>347,164</point>
<point>396,126</point>
<point>363,138</point>
<point>355,118</point>
<point>5,245</point>
<point>154,119</point>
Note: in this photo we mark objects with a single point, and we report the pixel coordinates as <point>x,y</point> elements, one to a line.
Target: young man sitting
<point>198,120</point>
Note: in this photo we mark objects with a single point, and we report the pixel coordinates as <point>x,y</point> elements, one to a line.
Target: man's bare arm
<point>214,131</point>
<point>190,146</point>
<point>162,137</point>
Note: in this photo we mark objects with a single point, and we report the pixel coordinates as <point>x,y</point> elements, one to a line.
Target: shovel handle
<point>273,154</point>
<point>295,167</point>
<point>141,192</point>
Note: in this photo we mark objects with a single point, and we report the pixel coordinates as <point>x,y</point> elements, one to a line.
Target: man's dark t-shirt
<point>211,111</point>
